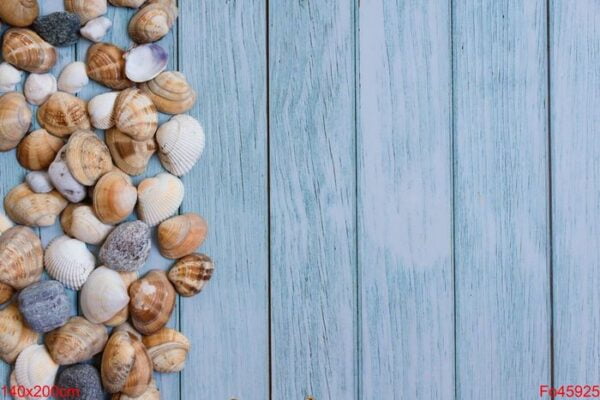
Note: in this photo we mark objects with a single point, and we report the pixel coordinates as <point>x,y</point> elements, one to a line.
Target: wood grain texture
<point>405,201</point>
<point>575,105</point>
<point>501,203</point>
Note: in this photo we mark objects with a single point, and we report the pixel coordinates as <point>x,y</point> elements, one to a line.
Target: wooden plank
<point>405,201</point>
<point>223,56</point>
<point>575,117</point>
<point>313,203</point>
<point>500,199</point>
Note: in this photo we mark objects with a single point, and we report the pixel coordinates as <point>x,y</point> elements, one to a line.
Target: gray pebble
<point>83,377</point>
<point>63,181</point>
<point>45,305</point>
<point>39,182</point>
<point>127,247</point>
<point>59,28</point>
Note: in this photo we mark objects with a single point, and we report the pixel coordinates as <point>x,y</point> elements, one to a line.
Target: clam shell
<point>5,223</point>
<point>69,261</point>
<point>19,13</point>
<point>191,273</point>
<point>181,235</point>
<point>86,9</point>
<point>73,78</point>
<point>152,302</point>
<point>170,92</point>
<point>10,77</point>
<point>26,50</point>
<point>35,368</point>
<point>168,350</point>
<point>62,114</point>
<point>21,257</point>
<point>38,149</point>
<point>87,157</point>
<point>127,247</point>
<point>96,29</point>
<point>102,110</point>
<point>127,3</point>
<point>80,221</point>
<point>151,393</point>
<point>39,87</point>
<point>114,197</point>
<point>62,179</point>
<point>127,327</point>
<point>106,65</point>
<point>131,156</point>
<point>76,341</point>
<point>180,144</point>
<point>45,305</point>
<point>159,198</point>
<point>103,295</point>
<point>15,335</point>
<point>33,209</point>
<point>15,120</point>
<point>136,115</point>
<point>6,292</point>
<point>39,182</point>
<point>153,21</point>
<point>123,315</point>
<point>145,62</point>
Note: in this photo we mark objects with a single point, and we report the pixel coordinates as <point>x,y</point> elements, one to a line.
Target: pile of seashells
<point>69,164</point>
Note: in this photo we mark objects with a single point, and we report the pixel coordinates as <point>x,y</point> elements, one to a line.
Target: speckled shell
<point>33,209</point>
<point>181,143</point>
<point>191,273</point>
<point>106,65</point>
<point>38,149</point>
<point>15,120</point>
<point>131,156</point>
<point>152,302</point>
<point>103,295</point>
<point>19,13</point>
<point>127,3</point>
<point>86,9</point>
<point>151,393</point>
<point>114,197</point>
<point>5,223</point>
<point>168,350</point>
<point>26,50</point>
<point>153,21</point>
<point>21,257</point>
<point>62,114</point>
<point>39,87</point>
<point>80,221</point>
<point>181,235</point>
<point>69,261</point>
<point>170,92</point>
<point>35,367</point>
<point>102,110</point>
<point>6,292</point>
<point>159,198</point>
<point>136,115</point>
<point>76,341</point>
<point>15,335</point>
<point>88,157</point>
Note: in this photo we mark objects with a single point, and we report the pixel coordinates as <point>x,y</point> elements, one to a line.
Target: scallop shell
<point>102,110</point>
<point>87,157</point>
<point>145,62</point>
<point>159,198</point>
<point>114,197</point>
<point>38,149</point>
<point>170,92</point>
<point>69,261</point>
<point>127,3</point>
<point>76,341</point>
<point>80,221</point>
<point>180,144</point>
<point>21,257</point>
<point>33,209</point>
<point>19,13</point>
<point>6,292</point>
<point>35,368</point>
<point>136,115</point>
<point>15,335</point>
<point>131,156</point>
<point>181,235</point>
<point>151,393</point>
<point>153,21</point>
<point>73,78</point>
<point>106,65</point>
<point>5,223</point>
<point>26,50</point>
<point>62,179</point>
<point>10,77</point>
<point>96,29</point>
<point>168,350</point>
<point>62,114</point>
<point>86,9</point>
<point>15,120</point>
<point>39,182</point>
<point>103,295</point>
<point>191,273</point>
<point>39,87</point>
<point>152,302</point>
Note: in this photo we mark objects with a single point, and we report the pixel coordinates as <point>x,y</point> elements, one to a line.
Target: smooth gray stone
<point>83,377</point>
<point>45,305</point>
<point>127,247</point>
<point>63,181</point>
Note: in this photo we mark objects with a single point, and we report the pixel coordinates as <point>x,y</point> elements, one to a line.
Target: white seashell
<point>10,77</point>
<point>73,78</point>
<point>35,368</point>
<point>69,261</point>
<point>62,179</point>
<point>96,28</point>
<point>103,295</point>
<point>5,223</point>
<point>159,198</point>
<point>102,110</point>
<point>80,222</point>
<point>180,144</point>
<point>39,87</point>
<point>39,182</point>
<point>145,62</point>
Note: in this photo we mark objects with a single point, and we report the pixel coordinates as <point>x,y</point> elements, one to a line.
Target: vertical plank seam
<point>452,123</point>
<point>268,142</point>
<point>358,270</point>
<point>180,303</point>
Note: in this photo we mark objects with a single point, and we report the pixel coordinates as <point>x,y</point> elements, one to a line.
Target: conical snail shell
<point>88,158</point>
<point>15,335</point>
<point>106,65</point>
<point>19,13</point>
<point>39,87</point>
<point>151,393</point>
<point>168,350</point>
<point>127,3</point>
<point>62,114</point>
<point>76,341</point>
<point>153,21</point>
<point>35,368</point>
<point>180,144</point>
<point>102,110</point>
<point>21,257</point>
<point>26,50</point>
<point>6,292</point>
<point>114,197</point>
<point>170,92</point>
<point>69,261</point>
<point>86,9</point>
<point>15,120</point>
<point>103,295</point>
<point>181,235</point>
<point>191,273</point>
<point>159,198</point>
<point>38,149</point>
<point>152,302</point>
<point>131,156</point>
<point>80,221</point>
<point>33,209</point>
<point>136,115</point>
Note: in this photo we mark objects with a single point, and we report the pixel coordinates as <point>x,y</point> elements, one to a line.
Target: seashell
<point>35,368</point>
<point>114,197</point>
<point>96,29</point>
<point>127,327</point>
<point>33,209</point>
<point>123,315</point>
<point>39,182</point>
<point>6,292</point>
<point>131,156</point>
<point>10,77</point>
<point>5,223</point>
<point>21,257</point>
<point>69,261</point>
<point>136,115</point>
<point>62,114</point>
<point>153,21</point>
<point>19,13</point>
<point>181,235</point>
<point>62,179</point>
<point>85,379</point>
<point>127,3</point>
<point>45,305</point>
<point>159,198</point>
<point>152,302</point>
<point>168,350</point>
<point>106,65</point>
<point>80,221</point>
<point>60,28</point>
<point>151,393</point>
<point>103,295</point>
<point>180,144</point>
<point>191,273</point>
<point>170,92</point>
<point>39,88</point>
<point>126,365</point>
<point>38,149</point>
<point>102,110</point>
<point>15,119</point>
<point>26,50</point>
<point>14,334</point>
<point>87,157</point>
<point>76,341</point>
<point>86,9</point>
<point>145,62</point>
<point>127,247</point>
<point>73,78</point>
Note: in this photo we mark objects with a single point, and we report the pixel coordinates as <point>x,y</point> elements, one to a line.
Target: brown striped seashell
<point>114,197</point>
<point>127,327</point>
<point>136,115</point>
<point>123,315</point>
<point>6,292</point>
<point>153,21</point>
<point>181,235</point>
<point>26,50</point>
<point>15,120</point>
<point>131,156</point>
<point>76,341</point>
<point>86,9</point>
<point>88,158</point>
<point>151,393</point>
<point>62,114</point>
<point>26,207</point>
<point>34,369</point>
<point>21,257</point>
<point>152,299</point>
<point>168,350</point>
<point>15,335</point>
<point>106,65</point>
<point>191,273</point>
<point>38,149</point>
<point>80,221</point>
<point>170,92</point>
<point>20,13</point>
<point>159,198</point>
<point>127,3</point>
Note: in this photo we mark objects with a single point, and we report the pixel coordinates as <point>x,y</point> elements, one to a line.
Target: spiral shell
<point>153,21</point>
<point>131,156</point>
<point>86,9</point>
<point>159,198</point>
<point>21,257</point>
<point>15,119</point>
<point>103,295</point>
<point>170,92</point>
<point>87,157</point>
<point>136,115</point>
<point>114,197</point>
<point>33,209</point>
<point>38,149</point>
<point>26,50</point>
<point>73,78</point>
<point>19,13</point>
<point>181,235</point>
<point>35,368</point>
<point>190,274</point>
<point>151,393</point>
<point>106,65</point>
<point>80,221</point>
<point>180,144</point>
<point>39,87</point>
<point>76,341</point>
<point>152,302</point>
<point>15,335</point>
<point>168,350</point>
<point>62,114</point>
<point>102,110</point>
<point>69,261</point>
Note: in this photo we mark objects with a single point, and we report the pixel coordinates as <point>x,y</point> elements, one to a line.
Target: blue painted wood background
<point>402,194</point>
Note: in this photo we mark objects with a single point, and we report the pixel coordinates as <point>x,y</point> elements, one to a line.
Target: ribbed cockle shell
<point>69,261</point>
<point>180,142</point>
<point>159,198</point>
<point>35,368</point>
